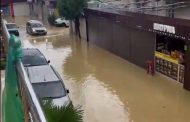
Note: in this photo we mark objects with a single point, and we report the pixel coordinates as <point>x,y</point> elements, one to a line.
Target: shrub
<point>62,114</point>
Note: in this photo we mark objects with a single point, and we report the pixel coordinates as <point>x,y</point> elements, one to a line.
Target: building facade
<point>42,8</point>
<point>15,7</point>
<point>139,36</point>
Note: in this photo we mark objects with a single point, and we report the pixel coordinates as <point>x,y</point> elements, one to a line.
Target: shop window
<point>169,57</point>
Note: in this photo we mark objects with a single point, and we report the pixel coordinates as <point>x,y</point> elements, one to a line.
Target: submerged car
<point>45,80</point>
<point>35,27</point>
<point>33,57</point>
<point>61,22</point>
<point>12,28</point>
<point>48,84</point>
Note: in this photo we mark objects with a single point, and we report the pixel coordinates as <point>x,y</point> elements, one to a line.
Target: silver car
<point>35,27</point>
<point>33,57</point>
<point>12,28</point>
<point>44,78</point>
<point>48,84</point>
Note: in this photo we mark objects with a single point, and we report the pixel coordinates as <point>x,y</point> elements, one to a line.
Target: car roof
<point>42,74</point>
<point>31,51</point>
<point>11,26</point>
<point>34,21</point>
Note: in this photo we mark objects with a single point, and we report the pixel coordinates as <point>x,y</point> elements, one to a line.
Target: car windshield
<point>10,26</point>
<point>36,25</point>
<point>49,89</point>
<point>33,58</point>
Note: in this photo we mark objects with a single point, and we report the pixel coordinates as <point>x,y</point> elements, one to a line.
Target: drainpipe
<point>12,8</point>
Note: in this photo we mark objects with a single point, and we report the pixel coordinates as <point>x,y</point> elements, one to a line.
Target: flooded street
<point>109,88</point>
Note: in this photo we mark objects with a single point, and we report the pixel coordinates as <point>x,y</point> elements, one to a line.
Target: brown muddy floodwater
<point>109,88</point>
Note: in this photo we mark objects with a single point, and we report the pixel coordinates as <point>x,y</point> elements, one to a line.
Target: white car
<point>61,22</point>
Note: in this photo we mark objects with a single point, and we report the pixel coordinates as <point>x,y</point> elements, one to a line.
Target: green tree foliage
<point>71,9</point>
<point>62,114</point>
<point>51,18</point>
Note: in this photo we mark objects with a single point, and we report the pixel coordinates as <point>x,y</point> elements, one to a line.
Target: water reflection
<point>76,65</point>
<point>102,103</point>
<point>55,41</point>
<point>111,89</point>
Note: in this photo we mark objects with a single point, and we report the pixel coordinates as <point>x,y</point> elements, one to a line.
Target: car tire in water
<point>64,25</point>
<point>45,33</point>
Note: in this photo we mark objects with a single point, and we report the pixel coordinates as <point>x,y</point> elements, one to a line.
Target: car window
<point>49,89</point>
<point>36,25</point>
<point>10,26</point>
<point>33,58</point>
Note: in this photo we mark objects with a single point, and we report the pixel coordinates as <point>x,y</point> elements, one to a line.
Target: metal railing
<point>33,111</point>
<point>5,29</point>
<point>5,34</point>
<point>5,37</point>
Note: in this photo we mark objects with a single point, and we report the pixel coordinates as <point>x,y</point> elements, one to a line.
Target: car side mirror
<point>48,61</point>
<point>67,91</point>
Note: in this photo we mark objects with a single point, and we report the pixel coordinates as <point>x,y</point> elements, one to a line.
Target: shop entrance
<point>169,57</point>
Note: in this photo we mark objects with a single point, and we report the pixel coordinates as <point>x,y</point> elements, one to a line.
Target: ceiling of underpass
<point>169,8</point>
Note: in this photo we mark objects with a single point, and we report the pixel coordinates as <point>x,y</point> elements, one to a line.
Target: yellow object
<point>166,57</point>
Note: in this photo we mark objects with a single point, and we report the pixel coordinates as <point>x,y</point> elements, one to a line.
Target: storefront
<point>169,56</point>
<point>139,38</point>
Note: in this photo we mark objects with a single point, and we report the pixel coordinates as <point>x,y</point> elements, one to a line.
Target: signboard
<point>164,28</point>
